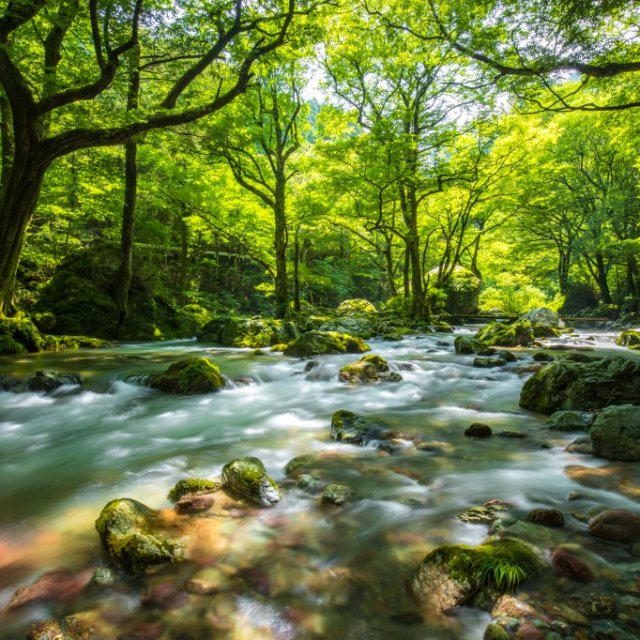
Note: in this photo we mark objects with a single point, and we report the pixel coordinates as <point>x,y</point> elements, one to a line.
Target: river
<point>300,569</point>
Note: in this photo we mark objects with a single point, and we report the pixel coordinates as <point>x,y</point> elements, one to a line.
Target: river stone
<point>248,332</point>
<point>616,525</point>
<point>69,628</point>
<point>629,338</point>
<point>570,421</point>
<point>588,386</point>
<point>189,376</point>
<point>191,485</point>
<point>546,517</point>
<point>615,433</point>
<point>543,317</point>
<point>459,575</point>
<point>495,632</point>
<point>248,477</point>
<point>313,343</point>
<point>46,380</point>
<point>369,369</point>
<point>582,444</point>
<point>484,514</point>
<point>541,356</point>
<point>337,494</point>
<point>351,428</point>
<point>484,362</point>
<point>133,536</point>
<point>593,605</point>
<point>469,345</point>
<point>478,430</point>
<point>610,630</point>
<point>194,503</point>
<point>565,564</point>
<point>498,334</point>
<point>353,325</point>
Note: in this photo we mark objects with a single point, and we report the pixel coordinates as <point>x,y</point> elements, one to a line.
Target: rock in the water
<point>588,386</point>
<point>133,535</point>
<point>189,376</point>
<point>69,628</point>
<point>616,525</point>
<point>460,575</point>
<point>194,503</point>
<point>191,485</point>
<point>468,345</point>
<point>593,605</point>
<point>570,421</point>
<point>629,338</point>
<point>546,517</point>
<point>248,332</point>
<point>495,632</point>
<point>565,564</point>
<point>351,428</point>
<point>615,433</point>
<point>485,362</point>
<point>249,478</point>
<point>478,430</point>
<point>313,343</point>
<point>543,317</point>
<point>610,630</point>
<point>582,444</point>
<point>368,369</point>
<point>55,585</point>
<point>498,334</point>
<point>45,380</point>
<point>541,356</point>
<point>337,494</point>
<point>484,514</point>
<point>19,335</point>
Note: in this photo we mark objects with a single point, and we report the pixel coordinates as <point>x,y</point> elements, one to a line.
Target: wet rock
<point>459,575</point>
<point>582,444</point>
<point>546,517</point>
<point>134,537</point>
<point>485,362</point>
<point>565,564</point>
<point>629,338</point>
<point>392,446</point>
<point>478,430</point>
<point>528,631</point>
<point>495,632</point>
<point>392,337</point>
<point>248,332</point>
<point>541,356</point>
<point>337,494</point>
<point>359,326</point>
<point>164,595</point>
<point>484,514</point>
<point>616,525</point>
<point>543,317</point>
<point>313,343</point>
<point>468,345</point>
<point>369,369</point>
<point>569,385</point>
<point>189,376</point>
<point>8,384</point>
<point>19,335</point>
<point>570,421</point>
<point>351,428</point>
<point>243,381</point>
<point>56,585</point>
<point>103,577</point>
<point>615,433</point>
<point>533,367</point>
<point>507,356</point>
<point>513,434</point>
<point>609,630</point>
<point>498,334</point>
<point>69,628</point>
<point>191,485</point>
<point>434,446</point>
<point>194,503</point>
<point>46,380</point>
<point>593,605</point>
<point>248,477</point>
<point>619,477</point>
<point>308,483</point>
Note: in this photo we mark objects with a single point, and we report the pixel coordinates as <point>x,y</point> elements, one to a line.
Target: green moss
<point>189,376</point>
<point>249,478</point>
<point>355,306</point>
<point>629,338</point>
<point>191,485</point>
<point>18,335</point>
<point>369,369</point>
<point>314,343</point>
<point>517,334</point>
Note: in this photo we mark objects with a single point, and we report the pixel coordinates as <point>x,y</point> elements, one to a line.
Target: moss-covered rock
<point>249,478</point>
<point>190,376</point>
<point>498,334</point>
<point>543,317</point>
<point>460,575</point>
<point>629,338</point>
<point>359,326</point>
<point>134,537</point>
<point>368,369</point>
<point>256,332</point>
<point>313,343</point>
<point>466,345</point>
<point>46,380</point>
<point>20,335</point>
<point>337,494</point>
<point>351,428</point>
<point>355,306</point>
<point>570,421</point>
<point>615,433</point>
<point>565,384</point>
<point>191,485</point>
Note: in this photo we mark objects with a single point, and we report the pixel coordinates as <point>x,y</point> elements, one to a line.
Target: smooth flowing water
<point>300,569</point>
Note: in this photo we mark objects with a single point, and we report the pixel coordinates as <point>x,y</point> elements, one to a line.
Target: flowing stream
<point>300,569</point>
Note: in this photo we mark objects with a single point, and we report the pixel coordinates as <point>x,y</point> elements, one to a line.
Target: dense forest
<point>186,160</point>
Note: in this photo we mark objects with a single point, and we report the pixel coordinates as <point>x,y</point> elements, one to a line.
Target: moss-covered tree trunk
<point>281,243</point>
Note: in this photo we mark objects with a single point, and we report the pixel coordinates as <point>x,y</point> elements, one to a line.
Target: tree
<point>77,66</point>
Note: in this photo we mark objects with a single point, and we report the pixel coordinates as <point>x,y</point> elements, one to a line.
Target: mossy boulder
<point>369,369</point>
<point>249,478</point>
<point>350,428</point>
<point>515,334</point>
<point>629,338</point>
<point>542,317</point>
<point>189,376</point>
<point>582,386</point>
<point>191,485</point>
<point>359,326</point>
<point>337,494</point>
<point>253,333</point>
<point>134,536</point>
<point>20,335</point>
<point>570,421</point>
<point>355,306</point>
<point>314,343</point>
<point>47,380</point>
<point>467,345</point>
<point>615,433</point>
<point>458,575</point>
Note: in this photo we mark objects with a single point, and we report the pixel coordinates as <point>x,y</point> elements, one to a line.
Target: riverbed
<point>300,569</point>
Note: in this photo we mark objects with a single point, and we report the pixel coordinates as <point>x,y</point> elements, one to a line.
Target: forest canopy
<point>266,156</point>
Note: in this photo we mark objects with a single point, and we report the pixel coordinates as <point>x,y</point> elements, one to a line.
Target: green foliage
<point>515,293</point>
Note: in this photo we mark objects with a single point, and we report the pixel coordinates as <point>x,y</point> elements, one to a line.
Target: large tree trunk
<point>602,279</point>
<point>281,242</point>
<point>6,140</point>
<point>296,271</point>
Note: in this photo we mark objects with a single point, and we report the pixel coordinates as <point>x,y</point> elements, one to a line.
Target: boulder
<point>359,326</point>
<point>248,332</point>
<point>565,564</point>
<point>629,338</point>
<point>615,433</point>
<point>594,605</point>
<point>546,517</point>
<point>19,335</point>
<point>478,430</point>
<point>191,485</point>
<point>368,369</point>
<point>542,317</point>
<point>468,345</point>
<point>570,421</point>
<point>488,362</point>
<point>355,306</point>
<point>459,575</point>
<point>351,428</point>
<point>249,478</point>
<point>565,384</point>
<point>313,343</point>
<point>337,494</point>
<point>46,380</point>
<point>616,525</point>
<point>189,376</point>
<point>134,536</point>
<point>498,334</point>
<point>484,514</point>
